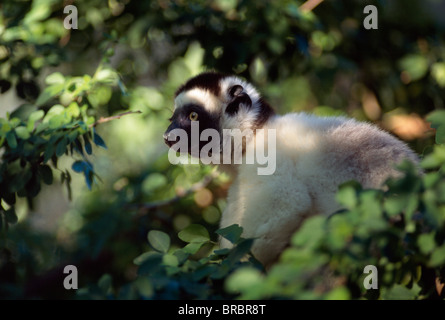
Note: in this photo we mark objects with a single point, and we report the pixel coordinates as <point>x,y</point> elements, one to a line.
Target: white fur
<point>314,156</point>
<point>244,118</point>
<point>199,97</point>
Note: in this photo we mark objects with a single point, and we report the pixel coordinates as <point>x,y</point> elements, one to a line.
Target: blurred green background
<point>321,61</point>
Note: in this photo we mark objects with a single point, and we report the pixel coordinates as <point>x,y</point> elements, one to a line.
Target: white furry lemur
<point>314,155</point>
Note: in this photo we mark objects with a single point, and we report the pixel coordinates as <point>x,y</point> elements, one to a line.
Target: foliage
<point>400,231</point>
<point>133,234</point>
<point>181,273</point>
<point>32,137</point>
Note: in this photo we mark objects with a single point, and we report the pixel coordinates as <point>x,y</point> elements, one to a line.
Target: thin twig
<point>310,5</point>
<point>118,116</point>
<point>145,207</point>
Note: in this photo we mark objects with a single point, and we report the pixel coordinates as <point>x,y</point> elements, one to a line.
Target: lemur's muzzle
<point>170,138</point>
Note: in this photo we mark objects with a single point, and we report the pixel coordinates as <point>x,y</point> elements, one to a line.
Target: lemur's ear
<point>238,97</point>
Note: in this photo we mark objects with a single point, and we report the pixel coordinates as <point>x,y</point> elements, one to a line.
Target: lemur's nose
<point>170,137</point>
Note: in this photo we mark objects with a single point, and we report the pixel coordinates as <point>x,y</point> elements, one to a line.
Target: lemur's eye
<point>193,116</point>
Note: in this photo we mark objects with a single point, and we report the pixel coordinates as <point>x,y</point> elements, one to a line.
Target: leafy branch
<point>103,120</point>
<point>144,208</point>
<point>31,138</point>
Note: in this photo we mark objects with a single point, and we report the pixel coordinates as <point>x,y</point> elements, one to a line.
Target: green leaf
<point>11,216</point>
<point>311,233</point>
<point>340,231</point>
<point>193,58</point>
<point>87,144</point>
<point>149,262</point>
<point>78,146</point>
<point>43,98</point>
<point>89,175</point>
<point>395,205</point>
<point>194,233</point>
<point>437,118</point>
<point>170,260</point>
<point>61,147</point>
<point>144,286</point>
<point>104,283</point>
<point>11,140</point>
<point>100,95</point>
<point>339,293</point>
<point>426,242</point>
<point>73,110</point>
<point>142,258</point>
<point>435,159</point>
<point>415,65</point>
<point>47,174</point>
<point>35,116</point>
<point>78,166</point>
<point>33,186</point>
<point>41,127</point>
<point>55,78</point>
<point>244,279</point>
<point>68,183</point>
<point>440,135</point>
<point>347,194</point>
<point>153,182</point>
<point>160,241</point>
<point>438,257</point>
<point>22,132</point>
<point>192,248</point>
<point>98,140</point>
<point>438,73</point>
<point>399,292</point>
<point>231,233</point>
<point>72,136</point>
<point>19,181</point>
<point>178,70</point>
<point>222,252</point>
<point>49,93</point>
<point>430,179</point>
<point>204,271</point>
<point>106,75</point>
<point>36,13</point>
<point>181,255</point>
<point>240,251</point>
<point>222,271</point>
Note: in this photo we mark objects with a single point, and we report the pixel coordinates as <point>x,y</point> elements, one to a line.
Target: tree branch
<point>145,207</point>
<point>118,116</point>
<point>310,5</point>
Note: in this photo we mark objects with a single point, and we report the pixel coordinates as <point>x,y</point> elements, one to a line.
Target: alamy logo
<point>70,21</point>
<point>256,148</point>
<point>371,280</point>
<point>371,21</point>
<point>70,281</point>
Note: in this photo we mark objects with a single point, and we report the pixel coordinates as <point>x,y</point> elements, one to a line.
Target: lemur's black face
<point>183,118</point>
<point>213,101</point>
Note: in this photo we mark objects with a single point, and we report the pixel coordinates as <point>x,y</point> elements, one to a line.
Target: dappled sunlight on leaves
<point>141,228</point>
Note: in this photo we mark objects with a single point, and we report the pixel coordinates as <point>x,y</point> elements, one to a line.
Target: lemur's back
<point>325,152</point>
<point>357,149</point>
